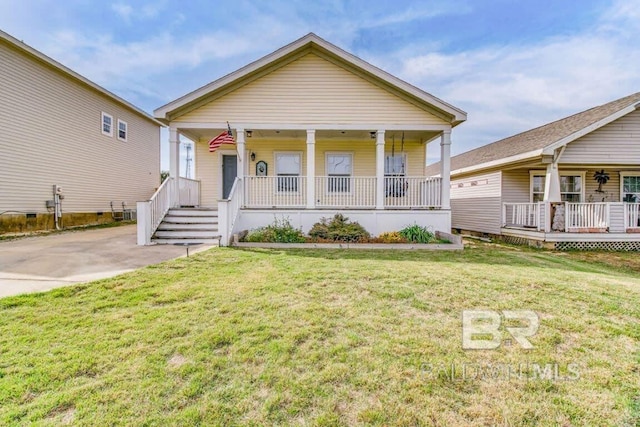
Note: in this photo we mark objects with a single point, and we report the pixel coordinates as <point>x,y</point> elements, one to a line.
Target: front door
<point>229,173</point>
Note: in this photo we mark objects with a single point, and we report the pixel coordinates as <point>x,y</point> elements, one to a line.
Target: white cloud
<point>511,88</point>
<point>124,10</point>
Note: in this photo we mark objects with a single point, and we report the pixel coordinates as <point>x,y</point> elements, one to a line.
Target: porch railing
<point>586,216</point>
<point>345,191</point>
<point>632,216</point>
<point>275,191</point>
<point>151,212</point>
<point>354,192</point>
<point>188,192</point>
<point>524,215</point>
<point>228,211</point>
<point>412,192</point>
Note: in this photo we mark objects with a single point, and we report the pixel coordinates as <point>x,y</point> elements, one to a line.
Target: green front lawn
<point>328,337</point>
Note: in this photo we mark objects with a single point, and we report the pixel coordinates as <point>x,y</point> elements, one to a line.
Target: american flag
<point>225,137</point>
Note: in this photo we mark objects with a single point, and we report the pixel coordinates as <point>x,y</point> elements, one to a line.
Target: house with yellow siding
<point>318,131</point>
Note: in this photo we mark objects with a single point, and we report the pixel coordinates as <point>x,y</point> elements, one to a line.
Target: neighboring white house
<point>58,128</point>
<point>318,131</point>
<point>541,185</point>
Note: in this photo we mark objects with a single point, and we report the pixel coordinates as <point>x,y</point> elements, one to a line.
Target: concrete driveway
<point>41,263</point>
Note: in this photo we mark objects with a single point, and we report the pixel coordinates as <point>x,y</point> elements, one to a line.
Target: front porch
<point>572,222</point>
<point>329,192</point>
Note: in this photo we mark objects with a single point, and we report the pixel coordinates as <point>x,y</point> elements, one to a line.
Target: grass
<point>331,337</point>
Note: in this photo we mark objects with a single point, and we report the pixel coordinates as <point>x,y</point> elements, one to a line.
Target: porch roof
<point>540,140</point>
<point>280,57</point>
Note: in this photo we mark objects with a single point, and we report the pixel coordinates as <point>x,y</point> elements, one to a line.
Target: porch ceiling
<point>301,135</point>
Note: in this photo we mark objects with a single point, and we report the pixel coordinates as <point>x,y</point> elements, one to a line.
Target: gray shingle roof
<point>537,138</point>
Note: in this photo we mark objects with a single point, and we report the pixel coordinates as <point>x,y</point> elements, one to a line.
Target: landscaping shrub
<point>418,234</point>
<point>338,229</point>
<point>281,231</point>
<point>390,237</point>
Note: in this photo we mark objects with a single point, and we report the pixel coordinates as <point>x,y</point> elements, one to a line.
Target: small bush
<point>338,229</point>
<point>418,234</point>
<point>281,231</point>
<point>390,237</point>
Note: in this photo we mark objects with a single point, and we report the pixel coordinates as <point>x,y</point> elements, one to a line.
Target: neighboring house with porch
<point>318,131</point>
<point>574,183</point>
<point>60,131</point>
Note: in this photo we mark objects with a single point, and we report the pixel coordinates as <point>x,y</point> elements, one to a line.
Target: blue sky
<point>512,65</point>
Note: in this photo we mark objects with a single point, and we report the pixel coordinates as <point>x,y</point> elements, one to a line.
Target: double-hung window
<point>630,187</point>
<point>123,130</point>
<point>107,124</point>
<point>394,175</point>
<point>339,171</point>
<point>571,189</point>
<point>288,169</point>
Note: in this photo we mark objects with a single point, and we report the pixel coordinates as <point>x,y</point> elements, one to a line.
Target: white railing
<point>412,192</point>
<point>524,215</point>
<point>275,191</point>
<point>631,215</point>
<point>151,212</point>
<point>189,192</point>
<point>345,191</point>
<point>586,215</point>
<point>228,211</point>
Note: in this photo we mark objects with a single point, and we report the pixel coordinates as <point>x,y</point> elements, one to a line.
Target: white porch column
<point>552,184</point>
<point>311,168</point>
<point>445,170</point>
<point>380,169</point>
<point>174,164</point>
<point>240,143</point>
<point>174,152</point>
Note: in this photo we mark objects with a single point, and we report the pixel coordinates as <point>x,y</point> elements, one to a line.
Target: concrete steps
<point>188,225</point>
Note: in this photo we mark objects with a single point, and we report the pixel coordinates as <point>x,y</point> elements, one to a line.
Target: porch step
<point>213,242</point>
<point>187,234</point>
<point>181,219</point>
<point>193,212</point>
<point>188,225</point>
<point>193,226</point>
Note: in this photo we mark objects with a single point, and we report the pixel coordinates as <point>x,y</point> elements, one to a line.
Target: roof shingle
<point>537,138</point>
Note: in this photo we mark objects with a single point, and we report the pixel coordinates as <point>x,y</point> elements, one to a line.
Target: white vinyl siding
<point>476,203</point>
<point>50,135</point>
<point>616,143</point>
<point>515,186</point>
<point>311,90</point>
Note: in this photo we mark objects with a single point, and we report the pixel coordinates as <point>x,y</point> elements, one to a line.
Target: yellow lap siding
<point>311,90</point>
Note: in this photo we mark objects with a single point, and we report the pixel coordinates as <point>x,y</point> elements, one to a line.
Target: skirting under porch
<point>374,221</point>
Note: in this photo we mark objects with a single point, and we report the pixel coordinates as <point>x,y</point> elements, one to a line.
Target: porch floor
<point>553,237</point>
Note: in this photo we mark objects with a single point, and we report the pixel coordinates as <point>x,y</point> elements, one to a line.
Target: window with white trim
<point>123,130</point>
<point>394,173</point>
<point>630,187</point>
<point>571,189</point>
<point>537,188</point>
<point>107,124</point>
<point>395,165</point>
<point>288,170</point>
<point>339,170</point>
